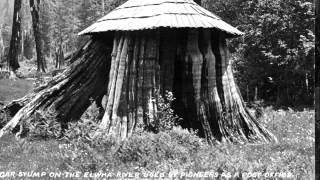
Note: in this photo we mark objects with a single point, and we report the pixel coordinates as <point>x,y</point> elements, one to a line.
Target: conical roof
<point>151,14</point>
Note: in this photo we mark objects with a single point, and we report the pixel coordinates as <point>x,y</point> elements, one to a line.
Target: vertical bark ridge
<point>156,74</point>
<point>168,46</point>
<point>105,123</point>
<point>112,121</point>
<point>252,130</point>
<point>193,65</point>
<point>115,50</point>
<point>236,123</point>
<point>131,91</point>
<point>123,109</point>
<point>211,103</point>
<point>179,81</point>
<point>225,122</point>
<point>238,128</point>
<point>149,76</point>
<point>120,77</point>
<point>157,65</point>
<point>140,81</point>
<point>135,80</point>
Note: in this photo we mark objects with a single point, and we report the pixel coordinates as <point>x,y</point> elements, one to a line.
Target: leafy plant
<point>43,125</point>
<point>165,118</point>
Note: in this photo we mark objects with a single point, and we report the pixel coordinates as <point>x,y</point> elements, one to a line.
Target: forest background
<point>273,61</point>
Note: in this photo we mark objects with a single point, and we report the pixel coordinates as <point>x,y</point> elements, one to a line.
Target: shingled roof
<point>151,14</point>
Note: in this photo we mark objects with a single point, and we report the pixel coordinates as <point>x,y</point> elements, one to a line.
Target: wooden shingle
<point>151,14</point>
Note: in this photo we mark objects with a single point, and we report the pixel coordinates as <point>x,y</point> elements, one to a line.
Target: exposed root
<point>69,93</point>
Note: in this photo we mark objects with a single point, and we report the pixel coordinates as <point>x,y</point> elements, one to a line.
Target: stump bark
<point>208,98</point>
<point>133,81</point>
<point>128,73</point>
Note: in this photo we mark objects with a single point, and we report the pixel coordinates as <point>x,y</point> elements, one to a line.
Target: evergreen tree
<point>35,10</point>
<point>15,37</point>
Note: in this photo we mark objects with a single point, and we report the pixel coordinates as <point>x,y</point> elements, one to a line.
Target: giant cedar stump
<point>192,63</point>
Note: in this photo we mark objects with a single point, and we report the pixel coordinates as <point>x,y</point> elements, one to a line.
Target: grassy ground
<point>10,90</point>
<point>167,151</point>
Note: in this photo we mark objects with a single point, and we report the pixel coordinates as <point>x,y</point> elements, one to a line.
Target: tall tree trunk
<point>317,84</point>
<point>34,8</point>
<point>102,7</point>
<point>1,46</point>
<point>15,37</point>
<point>28,45</point>
<point>22,44</point>
<point>256,93</point>
<point>59,57</point>
<point>247,91</point>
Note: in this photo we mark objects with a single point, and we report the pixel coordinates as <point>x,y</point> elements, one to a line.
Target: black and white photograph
<point>159,89</point>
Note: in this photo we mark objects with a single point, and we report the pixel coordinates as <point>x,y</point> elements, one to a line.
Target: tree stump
<point>194,64</point>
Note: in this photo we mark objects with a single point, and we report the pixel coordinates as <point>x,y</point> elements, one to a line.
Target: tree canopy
<point>276,53</point>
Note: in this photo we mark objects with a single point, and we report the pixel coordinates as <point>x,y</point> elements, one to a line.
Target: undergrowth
<point>182,150</point>
<point>170,149</point>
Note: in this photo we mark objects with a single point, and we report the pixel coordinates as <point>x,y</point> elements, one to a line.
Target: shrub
<point>85,127</point>
<point>146,150</point>
<point>86,149</point>
<point>165,118</point>
<point>42,126</point>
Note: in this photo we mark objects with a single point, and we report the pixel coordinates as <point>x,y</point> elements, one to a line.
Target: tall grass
<point>168,150</point>
<point>183,151</point>
<point>10,90</point>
